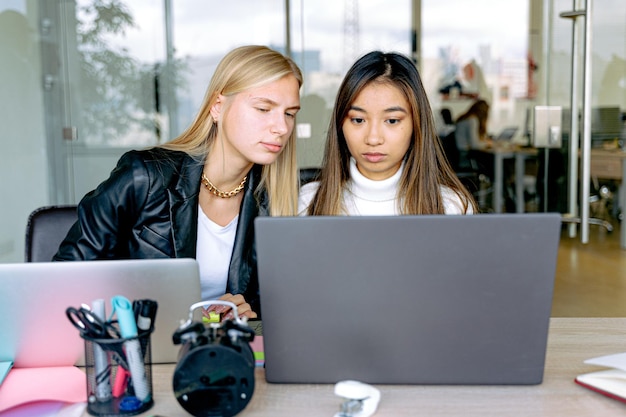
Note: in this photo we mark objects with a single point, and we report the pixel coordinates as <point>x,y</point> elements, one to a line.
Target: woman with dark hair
<point>383,155</point>
<point>472,139</point>
<point>471,135</point>
<point>471,126</point>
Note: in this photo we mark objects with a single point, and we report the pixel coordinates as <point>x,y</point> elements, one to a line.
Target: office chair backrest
<point>309,174</point>
<point>45,230</point>
<point>451,151</point>
<point>446,115</point>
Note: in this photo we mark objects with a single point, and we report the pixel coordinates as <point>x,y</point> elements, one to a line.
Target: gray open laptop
<point>506,134</point>
<point>407,299</point>
<point>35,331</point>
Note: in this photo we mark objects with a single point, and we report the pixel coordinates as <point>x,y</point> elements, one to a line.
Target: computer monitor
<point>606,124</point>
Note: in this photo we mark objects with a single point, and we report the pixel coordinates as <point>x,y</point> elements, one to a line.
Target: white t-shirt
<point>213,252</point>
<point>365,197</point>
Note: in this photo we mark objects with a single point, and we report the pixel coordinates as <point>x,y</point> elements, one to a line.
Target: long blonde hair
<point>241,69</point>
<point>427,168</point>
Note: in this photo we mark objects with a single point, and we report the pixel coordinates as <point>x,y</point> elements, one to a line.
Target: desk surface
<point>611,153</point>
<point>571,341</point>
<point>509,149</point>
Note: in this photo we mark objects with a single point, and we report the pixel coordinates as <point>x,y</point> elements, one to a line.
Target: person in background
<point>197,196</point>
<point>382,153</point>
<point>471,139</point>
<point>471,134</point>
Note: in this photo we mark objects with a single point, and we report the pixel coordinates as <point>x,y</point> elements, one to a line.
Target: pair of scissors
<point>92,327</point>
<point>89,324</point>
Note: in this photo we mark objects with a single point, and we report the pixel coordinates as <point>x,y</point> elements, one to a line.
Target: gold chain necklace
<point>223,194</point>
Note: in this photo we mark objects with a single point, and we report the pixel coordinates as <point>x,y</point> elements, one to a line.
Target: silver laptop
<point>507,134</point>
<point>35,331</point>
<point>407,299</point>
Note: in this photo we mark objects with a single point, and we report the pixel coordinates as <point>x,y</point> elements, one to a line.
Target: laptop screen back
<point>35,330</point>
<point>407,299</point>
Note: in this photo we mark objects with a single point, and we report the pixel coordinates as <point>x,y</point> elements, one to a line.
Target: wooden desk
<point>611,164</point>
<point>608,164</point>
<point>500,153</point>
<point>571,341</point>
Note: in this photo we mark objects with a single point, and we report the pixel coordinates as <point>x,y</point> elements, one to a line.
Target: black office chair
<point>446,115</point>
<point>465,169</point>
<point>309,175</point>
<point>600,201</point>
<point>45,230</point>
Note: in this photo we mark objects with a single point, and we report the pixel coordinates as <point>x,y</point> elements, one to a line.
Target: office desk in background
<point>570,342</point>
<point>611,165</point>
<point>500,153</point>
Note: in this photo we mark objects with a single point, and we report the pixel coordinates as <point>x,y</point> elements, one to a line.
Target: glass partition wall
<point>584,45</point>
<point>467,53</point>
<point>127,74</point>
<point>82,81</point>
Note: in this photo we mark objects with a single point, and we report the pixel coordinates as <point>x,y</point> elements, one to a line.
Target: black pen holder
<point>119,375</point>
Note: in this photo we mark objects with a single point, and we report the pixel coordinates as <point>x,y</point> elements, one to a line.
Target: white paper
<point>617,361</point>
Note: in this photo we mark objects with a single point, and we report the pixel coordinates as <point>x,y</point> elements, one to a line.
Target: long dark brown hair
<point>479,109</point>
<point>426,169</point>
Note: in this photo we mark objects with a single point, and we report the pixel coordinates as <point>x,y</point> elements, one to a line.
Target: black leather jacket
<point>148,208</point>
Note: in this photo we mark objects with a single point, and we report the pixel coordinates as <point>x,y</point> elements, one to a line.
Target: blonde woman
<point>197,196</point>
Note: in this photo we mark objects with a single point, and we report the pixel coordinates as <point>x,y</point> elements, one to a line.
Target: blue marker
<point>123,308</point>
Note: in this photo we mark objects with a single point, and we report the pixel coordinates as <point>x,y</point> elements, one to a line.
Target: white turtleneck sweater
<point>365,197</point>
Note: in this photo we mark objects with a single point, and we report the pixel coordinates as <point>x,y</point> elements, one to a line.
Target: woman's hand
<point>243,308</point>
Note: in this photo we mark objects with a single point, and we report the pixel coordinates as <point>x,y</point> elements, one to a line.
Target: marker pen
<point>121,379</point>
<point>123,308</point>
<point>145,313</point>
<point>102,365</point>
